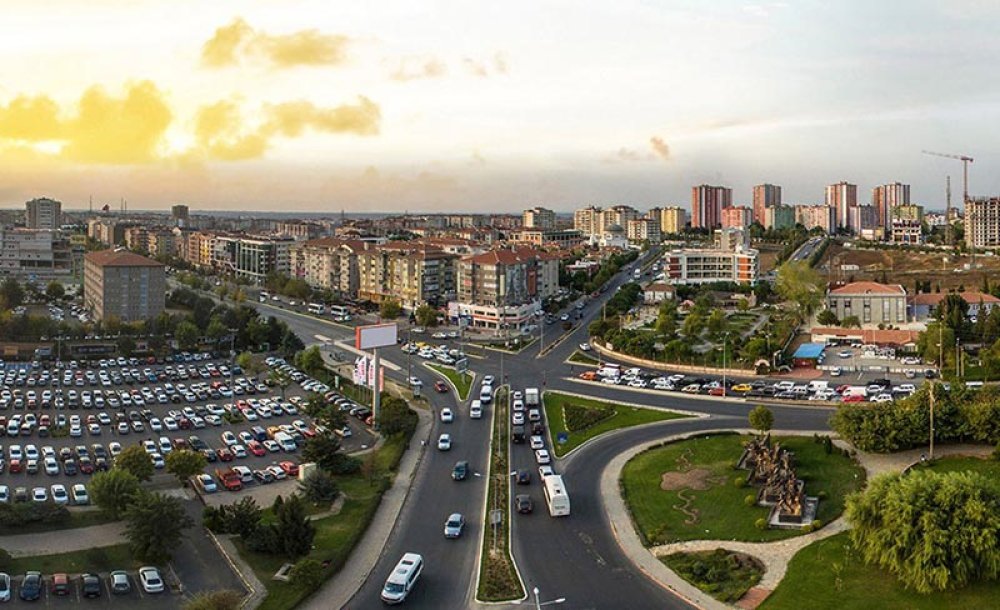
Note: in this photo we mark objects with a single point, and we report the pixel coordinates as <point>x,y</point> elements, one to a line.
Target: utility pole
<point>949,239</point>
<point>931,451</point>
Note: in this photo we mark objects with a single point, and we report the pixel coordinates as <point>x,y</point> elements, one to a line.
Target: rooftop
<point>972,298</point>
<point>869,288</point>
<point>120,258</point>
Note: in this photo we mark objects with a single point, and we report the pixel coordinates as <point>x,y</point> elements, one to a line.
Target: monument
<point>771,468</point>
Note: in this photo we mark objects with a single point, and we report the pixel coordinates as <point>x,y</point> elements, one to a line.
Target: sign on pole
<point>496,517</point>
<point>375,335</point>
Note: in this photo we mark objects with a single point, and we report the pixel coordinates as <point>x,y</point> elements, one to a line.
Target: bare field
<point>906,267</point>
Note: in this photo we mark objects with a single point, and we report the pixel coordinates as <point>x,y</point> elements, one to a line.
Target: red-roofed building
<point>122,284</point>
<point>871,302</point>
<point>503,287</point>
<point>906,339</point>
<point>923,306</point>
<point>413,273</point>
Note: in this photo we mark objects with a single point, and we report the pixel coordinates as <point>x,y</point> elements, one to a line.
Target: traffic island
<point>462,382</point>
<point>725,575</point>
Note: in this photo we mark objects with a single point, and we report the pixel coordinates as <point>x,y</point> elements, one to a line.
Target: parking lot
<point>136,597</point>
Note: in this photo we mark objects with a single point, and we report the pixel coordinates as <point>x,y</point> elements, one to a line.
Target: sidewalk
<point>65,541</point>
<point>339,590</point>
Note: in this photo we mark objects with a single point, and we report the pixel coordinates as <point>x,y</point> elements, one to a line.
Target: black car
<point>31,587</point>
<point>523,504</point>
<point>460,471</point>
<point>91,585</point>
<point>537,429</point>
<point>523,477</point>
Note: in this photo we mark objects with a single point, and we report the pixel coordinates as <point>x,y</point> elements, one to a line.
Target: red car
<point>224,454</point>
<point>86,466</point>
<point>854,398</point>
<point>256,448</point>
<point>440,386</point>
<point>16,466</point>
<point>716,392</point>
<point>184,423</point>
<point>290,468</point>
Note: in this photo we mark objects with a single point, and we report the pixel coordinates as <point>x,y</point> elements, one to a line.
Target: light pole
<point>538,602</point>
<point>725,340</point>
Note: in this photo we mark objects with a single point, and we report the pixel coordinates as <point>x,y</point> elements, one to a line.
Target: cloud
<point>103,129</point>
<point>660,148</point>
<point>292,118</point>
<point>239,40</point>
<point>483,69</point>
<point>218,132</point>
<point>411,68</point>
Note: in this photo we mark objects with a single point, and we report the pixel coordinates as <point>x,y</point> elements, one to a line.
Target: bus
<point>555,495</point>
<point>341,313</point>
<point>317,308</point>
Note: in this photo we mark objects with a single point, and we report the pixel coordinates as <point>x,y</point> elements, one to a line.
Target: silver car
<point>454,525</point>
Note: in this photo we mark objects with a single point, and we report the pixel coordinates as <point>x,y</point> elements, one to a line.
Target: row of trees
<point>581,281</point>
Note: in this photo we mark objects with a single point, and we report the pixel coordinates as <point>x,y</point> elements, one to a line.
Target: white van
<point>403,578</point>
<point>816,385</point>
<point>610,370</point>
<point>285,441</point>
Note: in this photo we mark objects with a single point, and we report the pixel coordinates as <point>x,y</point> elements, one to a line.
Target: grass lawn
<point>101,559</point>
<point>462,381</point>
<point>623,417</point>
<point>985,466</point>
<point>724,575</point>
<point>77,518</point>
<point>336,535</point>
<point>708,504</point>
<point>827,575</point>
<point>582,358</point>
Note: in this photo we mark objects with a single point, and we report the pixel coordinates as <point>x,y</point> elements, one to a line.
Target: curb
<point>254,595</point>
<point>802,404</point>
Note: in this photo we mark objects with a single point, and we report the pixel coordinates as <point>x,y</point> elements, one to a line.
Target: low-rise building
<point>709,265</point>
<point>657,292</point>
<point>871,302</point>
<point>923,306</point>
<point>122,284</point>
<point>43,253</point>
<point>568,238</point>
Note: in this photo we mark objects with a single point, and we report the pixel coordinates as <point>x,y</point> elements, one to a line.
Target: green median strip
<point>461,381</point>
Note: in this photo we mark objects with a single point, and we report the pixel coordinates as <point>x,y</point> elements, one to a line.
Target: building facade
<point>568,238</point>
<point>886,198</point>
<point>982,222</point>
<point>180,214</point>
<point>411,273</point>
<point>707,203</point>
<point>842,197</point>
<point>589,221</point>
<point>706,266</point>
<point>765,196</point>
<point>252,258</point>
<point>812,216</point>
<point>329,262</point>
<point>644,230</point>
<point>672,220</point>
<point>779,217</point>
<point>43,253</point>
<point>124,285</point>
<point>871,302</point>
<point>503,288</point>
<point>43,213</point>
<point>539,218</point>
<point>737,217</point>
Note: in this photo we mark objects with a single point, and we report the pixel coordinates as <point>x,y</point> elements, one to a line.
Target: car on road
<point>544,471</point>
<point>444,442</point>
<point>523,504</point>
<point>120,584</point>
<point>584,347</point>
<point>542,456</point>
<point>454,525</point>
<point>31,587</point>
<point>524,477</point>
<point>488,380</point>
<point>845,354</point>
<point>517,418</point>
<point>440,386</point>
<point>460,471</point>
<point>476,410</point>
<point>415,382</point>
<point>537,442</point>
<point>149,578</point>
<point>447,416</point>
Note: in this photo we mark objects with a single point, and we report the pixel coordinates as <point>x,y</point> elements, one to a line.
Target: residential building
<point>589,221</point>
<point>656,293</point>
<point>42,253</point>
<point>871,302</point>
<point>765,196</point>
<point>708,265</point>
<point>812,216</point>
<point>567,238</point>
<point>180,214</point>
<point>644,230</point>
<point>672,220</point>
<point>982,222</point>
<point>707,203</point>
<point>329,262</point>
<point>619,215</point>
<point>412,273</point>
<point>841,197</point>
<point>906,226</point>
<point>298,230</point>
<point>731,239</point>
<point>43,213</point>
<point>862,218</point>
<point>252,258</point>
<point>122,284</point>
<point>502,288</point>
<point>738,217</point>
<point>539,218</point>
<point>779,217</point>
<point>886,198</point>
<point>923,306</point>
<point>110,231</point>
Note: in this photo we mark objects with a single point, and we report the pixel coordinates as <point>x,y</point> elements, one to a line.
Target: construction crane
<point>965,185</point>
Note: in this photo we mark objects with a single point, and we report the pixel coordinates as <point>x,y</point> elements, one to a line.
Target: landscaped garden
<point>723,574</point>
<point>692,490</point>
<point>461,381</point>
<point>584,418</point>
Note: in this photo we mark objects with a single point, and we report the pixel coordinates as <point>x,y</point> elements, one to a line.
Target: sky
<point>445,105</point>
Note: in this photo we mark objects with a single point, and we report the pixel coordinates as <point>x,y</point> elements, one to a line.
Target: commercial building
<point>42,253</point>
<point>412,273</point>
<point>707,203</point>
<point>886,198</point>
<point>539,218</point>
<point>737,217</point>
<point>567,238</point>
<point>251,258</point>
<point>812,216</point>
<point>329,262</point>
<point>672,220</point>
<point>871,302</point>
<point>842,197</point>
<point>982,222</point>
<point>765,196</point>
<point>503,288</point>
<point>43,213</point>
<point>779,217</point>
<point>121,284</point>
<point>644,230</point>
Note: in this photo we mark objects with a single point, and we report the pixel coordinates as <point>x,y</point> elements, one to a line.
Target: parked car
<point>149,578</point>
<point>120,584</point>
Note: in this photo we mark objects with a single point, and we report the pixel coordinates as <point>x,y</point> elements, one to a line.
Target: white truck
<point>531,398</point>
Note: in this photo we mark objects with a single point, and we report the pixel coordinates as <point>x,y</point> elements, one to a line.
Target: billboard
<point>375,335</point>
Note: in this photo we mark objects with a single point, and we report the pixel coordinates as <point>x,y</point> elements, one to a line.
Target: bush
<point>740,482</point>
<point>808,528</point>
<point>578,417</point>
<point>761,523</point>
<point>750,500</point>
<point>817,524</point>
<point>5,560</point>
<point>821,494</point>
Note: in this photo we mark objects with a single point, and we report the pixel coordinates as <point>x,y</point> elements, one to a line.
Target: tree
<point>801,284</point>
<point>184,464</point>
<point>55,290</point>
<point>225,599</point>
<point>126,345</point>
<point>187,335</point>
<point>216,330</point>
<point>11,293</point>
<point>390,309</point>
<point>281,379</point>
<point>154,525</point>
<point>249,363</point>
<point>426,315</point>
<point>397,417</point>
<point>113,490</point>
<point>293,531</point>
<point>319,487</point>
<point>310,360</point>
<point>324,450</point>
<point>716,323</point>
<point>307,573</point>
<point>933,531</point>
<point>827,318</point>
<point>135,460</point>
<point>761,418</point>
<point>851,322</point>
<point>694,323</point>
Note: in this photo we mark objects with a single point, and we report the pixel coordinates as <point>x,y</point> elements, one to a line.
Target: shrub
<point>750,500</point>
<point>579,417</point>
<point>739,482</point>
<point>761,523</point>
<point>808,528</point>
<point>817,524</point>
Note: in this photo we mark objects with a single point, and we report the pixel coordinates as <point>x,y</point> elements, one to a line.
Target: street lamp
<point>539,603</point>
<point>725,340</point>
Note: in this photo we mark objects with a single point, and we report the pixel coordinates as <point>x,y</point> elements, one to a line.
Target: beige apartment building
<point>124,285</point>
<point>412,273</point>
<point>871,302</point>
<point>672,220</point>
<point>503,288</point>
<point>539,218</point>
<point>328,262</point>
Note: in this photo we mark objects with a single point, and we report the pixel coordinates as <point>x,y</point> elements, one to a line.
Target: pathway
<point>65,541</point>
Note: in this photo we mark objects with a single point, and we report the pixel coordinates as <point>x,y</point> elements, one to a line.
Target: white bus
<point>317,308</point>
<point>340,313</point>
<point>555,495</point>
<point>403,578</point>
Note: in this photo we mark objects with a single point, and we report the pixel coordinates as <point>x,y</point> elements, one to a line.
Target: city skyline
<point>248,106</point>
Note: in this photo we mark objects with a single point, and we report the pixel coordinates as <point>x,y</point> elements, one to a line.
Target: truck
<point>229,478</point>
<point>531,397</point>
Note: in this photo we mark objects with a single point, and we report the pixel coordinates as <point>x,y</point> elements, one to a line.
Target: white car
<point>584,347</point>
<point>4,497</point>
<point>39,494</point>
<point>80,495</point>
<point>149,578</point>
<point>542,456</point>
<point>537,442</point>
<point>59,495</point>
<point>51,466</point>
<point>207,483</point>
<point>476,412</point>
<point>447,416</point>
<point>415,382</point>
<point>444,442</point>
<point>517,419</point>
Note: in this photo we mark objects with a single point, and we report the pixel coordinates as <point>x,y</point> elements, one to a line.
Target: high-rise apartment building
<point>842,197</point>
<point>619,215</point>
<point>43,253</point>
<point>886,198</point>
<point>737,217</point>
<point>503,288</point>
<point>43,213</point>
<point>779,217</point>
<point>539,218</point>
<point>329,262</point>
<point>589,220</point>
<point>644,230</point>
<point>672,220</point>
<point>124,285</point>
<point>765,196</point>
<point>707,203</point>
<point>179,214</point>
<point>409,272</point>
<point>982,222</point>
<point>812,216</point>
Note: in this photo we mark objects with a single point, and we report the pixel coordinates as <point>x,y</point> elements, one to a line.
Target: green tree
<point>250,364</point>
<point>801,284</point>
<point>851,322</point>
<point>216,329</point>
<point>281,379</point>
<point>761,418</point>
<point>827,318</point>
<point>716,323</point>
<point>225,599</point>
<point>397,417</point>
<point>426,315</point>
<point>694,323</point>
<point>11,293</point>
<point>184,464</point>
<point>319,487</point>
<point>324,450</point>
<point>187,335</point>
<point>933,531</point>
<point>135,460</point>
<point>310,360</point>
<point>126,345</point>
<point>154,525</point>
<point>307,573</point>
<point>113,490</point>
<point>55,290</point>
<point>293,531</point>
<point>666,318</point>
<point>390,309</point>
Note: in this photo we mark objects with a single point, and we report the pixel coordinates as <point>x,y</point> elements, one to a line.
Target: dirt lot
<point>768,256</point>
<point>905,267</point>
